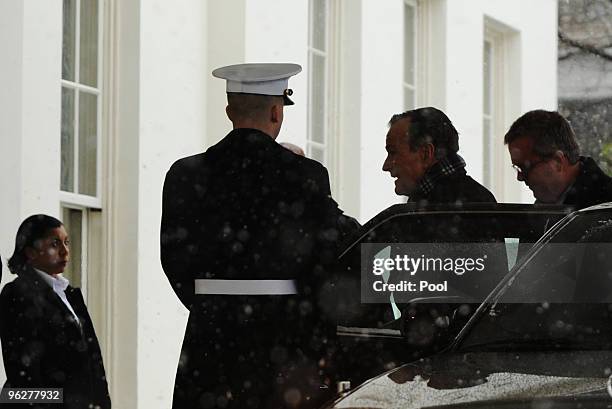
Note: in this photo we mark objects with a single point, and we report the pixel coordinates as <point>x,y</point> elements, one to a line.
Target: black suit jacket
<point>44,346</point>
<point>591,187</point>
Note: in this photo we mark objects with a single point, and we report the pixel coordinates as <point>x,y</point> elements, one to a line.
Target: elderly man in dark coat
<point>247,230</point>
<point>422,147</point>
<point>546,156</point>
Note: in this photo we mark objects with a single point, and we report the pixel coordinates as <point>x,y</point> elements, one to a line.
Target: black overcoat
<point>250,209</point>
<point>457,188</point>
<point>43,346</point>
<point>591,187</point>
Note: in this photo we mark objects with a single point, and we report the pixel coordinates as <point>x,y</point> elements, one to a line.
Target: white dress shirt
<point>59,284</point>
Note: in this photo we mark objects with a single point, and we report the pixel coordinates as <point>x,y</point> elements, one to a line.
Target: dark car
<point>545,331</point>
<point>373,336</point>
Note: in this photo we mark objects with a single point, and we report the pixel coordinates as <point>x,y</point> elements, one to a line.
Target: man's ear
<point>561,160</point>
<point>275,113</point>
<point>427,152</point>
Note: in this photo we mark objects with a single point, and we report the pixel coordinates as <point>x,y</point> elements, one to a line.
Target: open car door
<point>374,337</point>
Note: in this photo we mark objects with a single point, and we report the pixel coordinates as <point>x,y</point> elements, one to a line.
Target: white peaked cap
<point>261,79</point>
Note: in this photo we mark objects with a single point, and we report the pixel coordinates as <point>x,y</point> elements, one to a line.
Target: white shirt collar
<point>55,281</point>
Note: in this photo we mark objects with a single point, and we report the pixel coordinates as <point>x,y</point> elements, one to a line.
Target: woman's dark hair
<point>33,228</point>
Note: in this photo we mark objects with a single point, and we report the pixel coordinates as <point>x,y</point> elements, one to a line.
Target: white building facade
<point>101,96</point>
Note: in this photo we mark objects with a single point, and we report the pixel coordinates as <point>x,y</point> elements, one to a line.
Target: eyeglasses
<point>523,172</point>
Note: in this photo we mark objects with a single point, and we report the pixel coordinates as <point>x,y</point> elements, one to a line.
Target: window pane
<point>88,51</point>
<point>88,143</point>
<point>317,154</point>
<point>318,24</point>
<point>409,43</point>
<point>68,40</point>
<point>409,102</point>
<point>317,105</point>
<point>487,85</point>
<point>67,142</point>
<point>73,222</point>
<point>487,154</point>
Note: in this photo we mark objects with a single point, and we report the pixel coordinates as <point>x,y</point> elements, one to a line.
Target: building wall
<point>531,63</point>
<point>29,177</point>
<point>226,20</point>
<point>273,33</point>
<point>350,104</point>
<point>381,96</point>
<point>30,42</point>
<point>173,72</point>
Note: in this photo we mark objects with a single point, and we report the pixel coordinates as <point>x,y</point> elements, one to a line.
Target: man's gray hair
<point>430,125</point>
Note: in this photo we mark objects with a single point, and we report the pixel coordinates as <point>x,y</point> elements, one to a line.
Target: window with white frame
<point>81,127</point>
<point>318,81</point>
<point>73,220</point>
<point>323,136</point>
<point>500,103</point>
<point>488,96</point>
<point>410,54</point>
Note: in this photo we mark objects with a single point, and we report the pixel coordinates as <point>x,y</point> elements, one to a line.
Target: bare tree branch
<point>584,47</point>
<point>567,55</point>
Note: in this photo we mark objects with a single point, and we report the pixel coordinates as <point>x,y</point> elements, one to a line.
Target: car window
<point>560,297</point>
<point>515,225</point>
<point>512,249</point>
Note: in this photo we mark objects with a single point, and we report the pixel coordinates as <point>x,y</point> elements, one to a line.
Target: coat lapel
<point>75,298</point>
<point>51,298</point>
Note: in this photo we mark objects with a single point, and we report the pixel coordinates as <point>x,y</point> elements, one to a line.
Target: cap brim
<point>286,99</point>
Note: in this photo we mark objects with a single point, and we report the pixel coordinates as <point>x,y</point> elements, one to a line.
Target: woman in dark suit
<point>48,340</point>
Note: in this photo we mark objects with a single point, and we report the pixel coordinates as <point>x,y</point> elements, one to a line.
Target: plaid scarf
<point>446,166</point>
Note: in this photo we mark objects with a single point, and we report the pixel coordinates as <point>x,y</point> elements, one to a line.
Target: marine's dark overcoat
<point>43,346</point>
<point>248,208</point>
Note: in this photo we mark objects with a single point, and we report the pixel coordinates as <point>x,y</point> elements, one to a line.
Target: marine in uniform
<point>248,228</point>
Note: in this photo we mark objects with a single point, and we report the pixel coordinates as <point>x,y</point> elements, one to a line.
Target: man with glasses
<point>546,156</point>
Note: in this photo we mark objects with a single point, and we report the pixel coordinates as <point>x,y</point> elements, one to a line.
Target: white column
<point>30,40</point>
<point>172,108</point>
<point>122,203</point>
<point>225,32</point>
<point>11,124</point>
<point>382,57</point>
<point>30,103</point>
<point>351,135</point>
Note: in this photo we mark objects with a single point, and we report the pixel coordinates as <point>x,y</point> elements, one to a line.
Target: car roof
<point>402,210</point>
<point>597,207</point>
